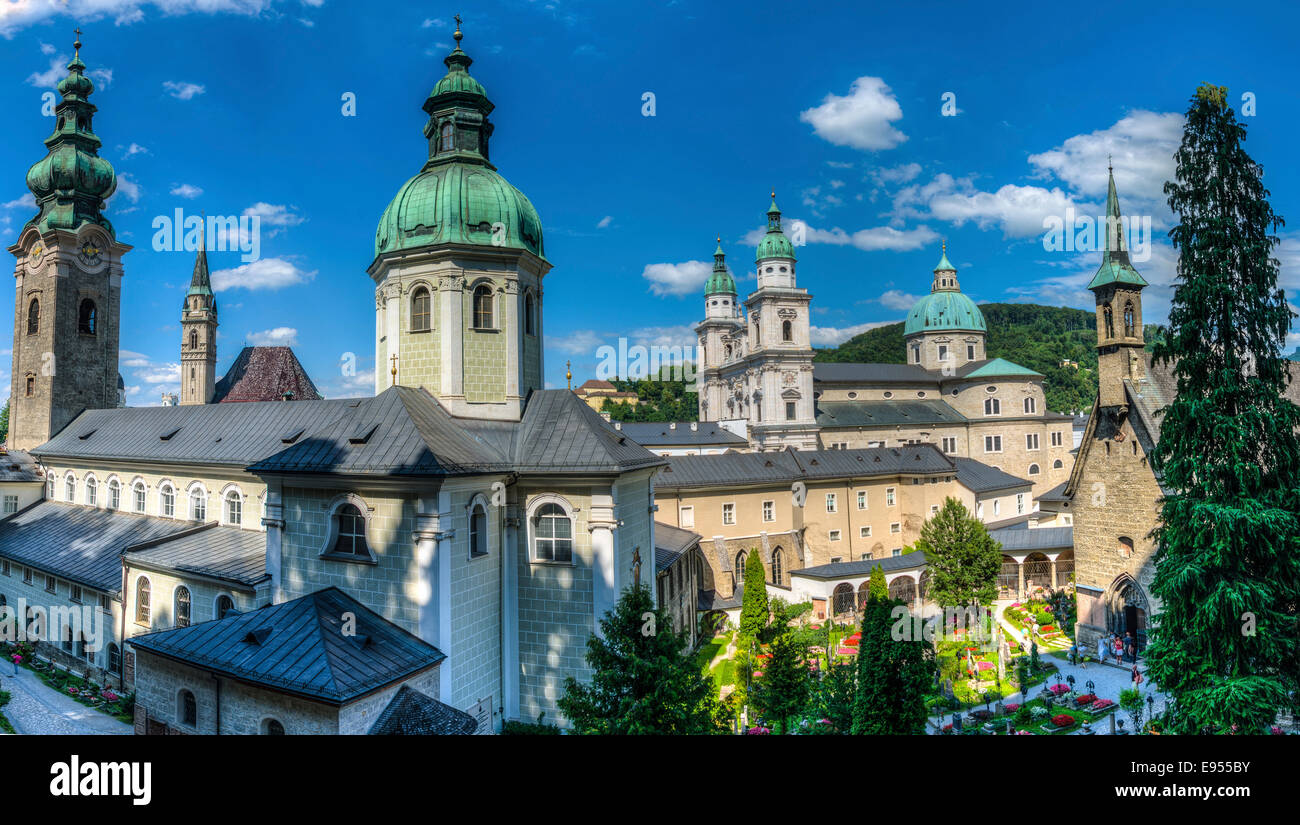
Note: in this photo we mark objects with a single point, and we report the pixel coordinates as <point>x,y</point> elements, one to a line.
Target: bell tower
<point>68,278</point>
<point>199,337</point>
<point>1118,289</point>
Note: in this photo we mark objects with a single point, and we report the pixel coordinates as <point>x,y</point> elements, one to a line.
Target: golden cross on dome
<point>568,375</point>
<point>77,45</point>
<point>458,35</point>
<point>394,368</point>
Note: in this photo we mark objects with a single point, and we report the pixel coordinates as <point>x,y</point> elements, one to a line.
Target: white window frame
<point>891,496</point>
<point>992,444</point>
<point>992,407</point>
<point>189,500</point>
<point>686,516</point>
<point>728,513</point>
<point>832,503</point>
<point>332,529</point>
<point>233,489</point>
<point>479,500</point>
<point>1031,442</point>
<point>536,504</point>
<point>769,511</point>
<point>864,532</point>
<point>834,535</point>
<point>164,488</point>
<point>895,527</point>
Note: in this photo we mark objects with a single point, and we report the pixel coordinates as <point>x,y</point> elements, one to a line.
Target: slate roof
<point>670,543</point>
<point>411,713</point>
<point>298,647</point>
<point>851,569</point>
<point>831,372</point>
<point>81,544</point>
<point>693,433</point>
<point>227,553</point>
<point>18,466</point>
<point>265,374</point>
<point>786,466</point>
<point>1057,493</point>
<point>711,600</point>
<point>981,478</point>
<point>1035,538</point>
<point>227,434</point>
<point>878,413</point>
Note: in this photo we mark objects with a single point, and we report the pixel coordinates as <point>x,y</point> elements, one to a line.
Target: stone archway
<point>842,600</point>
<point>903,588</point>
<point>1127,609</point>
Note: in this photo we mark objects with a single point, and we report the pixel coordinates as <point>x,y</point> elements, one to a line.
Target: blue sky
<point>234,107</point>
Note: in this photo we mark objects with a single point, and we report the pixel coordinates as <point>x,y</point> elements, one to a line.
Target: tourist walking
<point>1101,650</point>
<point>1118,649</point>
<point>1137,676</point>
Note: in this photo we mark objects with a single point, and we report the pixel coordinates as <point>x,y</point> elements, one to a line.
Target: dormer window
<point>448,139</point>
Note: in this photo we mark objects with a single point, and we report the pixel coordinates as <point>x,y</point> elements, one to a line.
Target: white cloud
<point>605,221</point>
<point>860,119</point>
<point>182,90</point>
<point>133,149</point>
<point>46,48</point>
<point>278,337</point>
<point>18,14</point>
<point>898,299</point>
<point>277,216</point>
<point>186,191</point>
<point>896,174</point>
<point>127,187</point>
<point>266,273</point>
<point>434,23</point>
<point>580,342</point>
<point>51,76</point>
<point>1017,210</point>
<point>677,279</point>
<point>875,239</point>
<point>27,201</point>
<point>833,336</point>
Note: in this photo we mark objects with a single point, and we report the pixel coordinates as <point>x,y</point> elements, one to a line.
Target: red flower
<point>1063,720</point>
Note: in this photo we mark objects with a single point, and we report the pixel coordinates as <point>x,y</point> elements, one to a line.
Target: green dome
<point>774,244</point>
<point>944,311</point>
<point>458,202</point>
<point>458,79</point>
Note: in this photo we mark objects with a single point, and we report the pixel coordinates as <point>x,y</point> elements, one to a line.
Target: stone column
<point>514,332</point>
<point>601,524</point>
<point>1052,558</point>
<point>1020,571</point>
<point>512,535</point>
<point>433,537</point>
<point>451,315</point>
<point>273,521</point>
<point>393,298</point>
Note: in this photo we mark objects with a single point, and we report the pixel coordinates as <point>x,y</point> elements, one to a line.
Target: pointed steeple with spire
<point>199,336</point>
<point>1115,264</point>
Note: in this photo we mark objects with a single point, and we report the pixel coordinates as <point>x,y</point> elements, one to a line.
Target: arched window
<point>448,137</point>
<point>420,313</point>
<point>138,496</point>
<point>552,534</point>
<point>1033,469</point>
<point>188,709</point>
<point>1109,319</point>
<point>198,504</point>
<point>778,566</point>
<point>167,501</point>
<point>992,406</point>
<point>351,526</point>
<point>224,605</point>
<point>478,530</point>
<point>31,385</point>
<point>234,508</point>
<point>194,339</point>
<point>49,486</point>
<point>787,331</point>
<point>33,317</point>
<point>1130,323</point>
<point>1057,464</point>
<point>142,601</point>
<point>530,315</point>
<point>1031,406</point>
<point>70,488</point>
<point>182,606</point>
<point>114,494</point>
<point>483,307</point>
<point>740,565</point>
<point>114,658</point>
<point>92,490</point>
<point>842,599</point>
<point>271,727</point>
<point>86,317</point>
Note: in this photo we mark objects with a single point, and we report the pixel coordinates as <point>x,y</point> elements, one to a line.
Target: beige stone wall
<point>35,594</point>
<point>163,587</point>
<point>1116,497</point>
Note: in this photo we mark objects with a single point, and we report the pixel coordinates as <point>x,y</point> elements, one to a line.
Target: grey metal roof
<point>298,647</point>
<point>851,569</point>
<point>226,553</point>
<point>886,413</point>
<point>405,431</point>
<point>18,466</point>
<point>670,543</point>
<point>693,433</point>
<point>981,478</point>
<point>848,373</point>
<point>711,600</point>
<point>411,713</point>
<point>81,544</point>
<point>789,465</point>
<point>1057,493</point>
<point>1035,538</point>
<point>230,434</point>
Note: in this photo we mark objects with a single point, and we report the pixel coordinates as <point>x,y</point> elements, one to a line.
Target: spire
<point>945,274</point>
<point>774,244</point>
<point>200,282</point>
<point>1115,264</point>
<point>720,282</point>
<point>72,182</point>
<point>458,108</point>
<point>773,215</point>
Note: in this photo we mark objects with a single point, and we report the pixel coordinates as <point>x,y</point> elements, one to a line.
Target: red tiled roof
<point>265,374</point>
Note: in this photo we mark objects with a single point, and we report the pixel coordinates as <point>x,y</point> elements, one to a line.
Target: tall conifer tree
<point>1225,644</point>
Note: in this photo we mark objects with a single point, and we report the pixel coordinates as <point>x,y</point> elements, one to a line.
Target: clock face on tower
<point>90,254</point>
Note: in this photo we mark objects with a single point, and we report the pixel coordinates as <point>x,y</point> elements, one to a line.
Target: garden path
<point>36,708</point>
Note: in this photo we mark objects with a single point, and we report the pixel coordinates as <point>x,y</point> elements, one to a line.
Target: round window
<point>889,395</point>
<point>990,388</point>
<point>853,395</point>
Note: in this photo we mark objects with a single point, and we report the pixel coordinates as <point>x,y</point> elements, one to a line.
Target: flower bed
<point>1101,705</point>
<point>1063,720</point>
<point>1059,689</point>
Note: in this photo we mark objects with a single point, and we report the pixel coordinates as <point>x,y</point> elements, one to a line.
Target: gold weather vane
<point>77,44</point>
<point>394,368</point>
<point>457,35</point>
<point>568,375</point>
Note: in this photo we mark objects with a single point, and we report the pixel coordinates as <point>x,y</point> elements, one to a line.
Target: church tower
<point>1118,289</point>
<point>458,267</point>
<point>68,278</point>
<point>780,354</point>
<point>722,334</point>
<point>199,337</point>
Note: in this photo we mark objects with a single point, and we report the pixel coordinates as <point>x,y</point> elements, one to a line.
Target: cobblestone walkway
<point>37,709</point>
